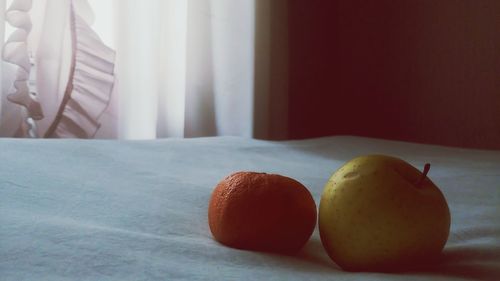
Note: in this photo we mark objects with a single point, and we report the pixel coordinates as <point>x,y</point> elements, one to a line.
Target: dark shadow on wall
<point>271,70</point>
<point>422,71</point>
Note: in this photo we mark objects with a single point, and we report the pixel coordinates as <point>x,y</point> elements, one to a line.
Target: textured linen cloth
<point>137,210</point>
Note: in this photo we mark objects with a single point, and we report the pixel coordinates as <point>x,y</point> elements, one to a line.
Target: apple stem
<point>427,167</point>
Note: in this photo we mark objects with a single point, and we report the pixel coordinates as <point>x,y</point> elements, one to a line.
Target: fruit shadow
<point>312,258</point>
<point>464,262</point>
<point>314,253</point>
<point>467,263</point>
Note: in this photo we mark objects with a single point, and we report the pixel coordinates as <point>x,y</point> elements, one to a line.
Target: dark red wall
<point>423,71</point>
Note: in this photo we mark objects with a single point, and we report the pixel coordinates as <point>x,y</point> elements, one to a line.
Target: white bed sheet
<point>125,210</point>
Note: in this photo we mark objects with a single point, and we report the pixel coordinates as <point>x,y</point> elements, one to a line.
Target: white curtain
<point>184,68</point>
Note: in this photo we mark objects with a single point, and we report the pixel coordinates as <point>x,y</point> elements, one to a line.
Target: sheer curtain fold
<point>184,68</point>
<point>201,55</point>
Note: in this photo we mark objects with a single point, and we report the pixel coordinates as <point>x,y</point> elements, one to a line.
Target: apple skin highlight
<point>379,213</point>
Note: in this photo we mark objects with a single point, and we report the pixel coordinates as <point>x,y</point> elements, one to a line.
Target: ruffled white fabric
<point>91,80</point>
<point>15,51</point>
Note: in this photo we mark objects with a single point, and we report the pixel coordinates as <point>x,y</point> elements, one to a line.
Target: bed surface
<point>137,210</point>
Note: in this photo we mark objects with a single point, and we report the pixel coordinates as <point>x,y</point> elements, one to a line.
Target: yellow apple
<point>379,213</point>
